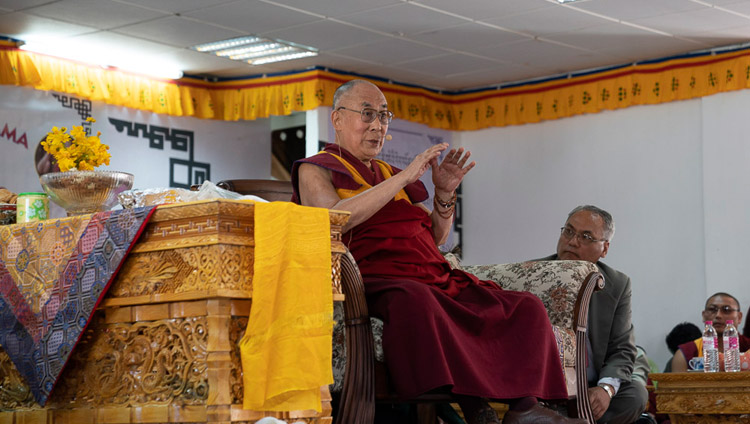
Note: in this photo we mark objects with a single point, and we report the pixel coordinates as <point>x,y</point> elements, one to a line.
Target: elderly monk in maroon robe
<point>444,330</point>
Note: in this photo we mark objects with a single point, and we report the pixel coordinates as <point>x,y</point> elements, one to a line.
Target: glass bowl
<point>80,192</point>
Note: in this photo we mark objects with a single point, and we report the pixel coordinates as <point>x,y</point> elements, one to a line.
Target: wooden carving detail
<point>711,419</point>
<point>194,268</point>
<point>185,269</point>
<point>336,272</point>
<point>337,223</point>
<point>153,362</point>
<point>148,273</point>
<point>193,230</point>
<point>14,392</point>
<point>225,221</point>
<point>704,402</point>
<point>338,219</point>
<point>217,267</point>
<point>237,328</point>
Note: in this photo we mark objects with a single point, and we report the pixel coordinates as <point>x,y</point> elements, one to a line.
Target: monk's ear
<point>336,119</point>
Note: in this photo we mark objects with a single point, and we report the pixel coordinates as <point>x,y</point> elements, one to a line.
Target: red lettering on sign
<point>11,135</point>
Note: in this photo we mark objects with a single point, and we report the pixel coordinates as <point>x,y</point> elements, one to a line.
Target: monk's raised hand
<point>422,161</point>
<point>449,174</point>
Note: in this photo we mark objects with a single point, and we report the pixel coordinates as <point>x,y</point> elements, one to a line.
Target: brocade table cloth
<point>53,274</point>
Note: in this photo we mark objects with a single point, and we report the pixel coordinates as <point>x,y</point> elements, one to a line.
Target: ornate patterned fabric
<point>555,282</point>
<point>53,274</point>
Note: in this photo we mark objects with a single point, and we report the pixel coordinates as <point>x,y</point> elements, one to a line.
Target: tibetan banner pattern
<point>53,274</point>
<point>654,82</point>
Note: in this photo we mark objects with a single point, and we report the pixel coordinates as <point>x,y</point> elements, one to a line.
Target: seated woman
<point>443,329</point>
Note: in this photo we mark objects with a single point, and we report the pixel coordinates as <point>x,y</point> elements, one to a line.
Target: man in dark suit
<point>611,348</point>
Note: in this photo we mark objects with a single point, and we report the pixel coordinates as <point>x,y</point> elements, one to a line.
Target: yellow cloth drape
<point>286,349</point>
<point>384,168</point>
<point>655,82</point>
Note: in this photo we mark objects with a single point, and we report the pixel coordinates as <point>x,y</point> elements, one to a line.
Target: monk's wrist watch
<point>609,389</point>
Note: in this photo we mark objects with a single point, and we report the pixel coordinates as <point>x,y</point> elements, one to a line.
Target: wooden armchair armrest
<point>594,281</point>
<point>357,404</point>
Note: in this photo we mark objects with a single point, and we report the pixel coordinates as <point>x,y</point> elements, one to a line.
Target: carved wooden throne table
<point>163,345</point>
<point>702,398</point>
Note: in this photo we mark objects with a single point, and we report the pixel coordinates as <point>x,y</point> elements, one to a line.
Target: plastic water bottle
<point>731,348</point>
<point>710,348</point>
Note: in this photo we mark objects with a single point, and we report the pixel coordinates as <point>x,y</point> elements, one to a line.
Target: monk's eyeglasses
<point>586,238</point>
<point>726,309</point>
<point>369,114</point>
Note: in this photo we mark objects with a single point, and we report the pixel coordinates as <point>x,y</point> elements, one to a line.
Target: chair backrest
<point>556,283</point>
<point>271,190</point>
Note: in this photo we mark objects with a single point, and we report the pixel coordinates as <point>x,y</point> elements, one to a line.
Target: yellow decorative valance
<point>650,83</point>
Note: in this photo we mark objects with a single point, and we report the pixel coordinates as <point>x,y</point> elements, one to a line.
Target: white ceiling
<point>442,44</point>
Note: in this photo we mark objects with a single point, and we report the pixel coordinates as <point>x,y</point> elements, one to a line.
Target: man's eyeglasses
<point>369,114</point>
<point>726,309</point>
<point>585,238</point>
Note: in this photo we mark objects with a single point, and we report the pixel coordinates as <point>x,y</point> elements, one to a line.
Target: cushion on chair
<point>339,345</point>
<point>556,283</point>
<point>566,345</point>
<point>453,260</point>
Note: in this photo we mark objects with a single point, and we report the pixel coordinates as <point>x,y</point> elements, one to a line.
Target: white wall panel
<point>643,164</point>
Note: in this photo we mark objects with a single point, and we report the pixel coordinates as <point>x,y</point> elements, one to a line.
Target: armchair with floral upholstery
<point>565,288</point>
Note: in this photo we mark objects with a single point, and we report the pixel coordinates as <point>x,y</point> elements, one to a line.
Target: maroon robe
<point>443,329</point>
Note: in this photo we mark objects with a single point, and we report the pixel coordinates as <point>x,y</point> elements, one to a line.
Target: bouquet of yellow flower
<point>76,151</point>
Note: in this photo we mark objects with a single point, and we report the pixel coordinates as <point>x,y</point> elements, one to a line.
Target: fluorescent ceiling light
<point>264,53</point>
<point>567,1</point>
<point>248,49</point>
<point>109,58</point>
<point>256,50</point>
<point>225,44</point>
<point>280,58</point>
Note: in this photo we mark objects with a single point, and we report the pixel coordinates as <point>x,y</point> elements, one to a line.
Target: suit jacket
<point>610,328</point>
